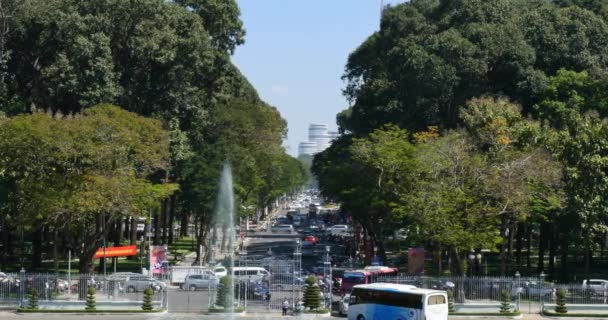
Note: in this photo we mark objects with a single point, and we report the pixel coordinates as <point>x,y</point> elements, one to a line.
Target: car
<point>337,229</point>
<point>600,286</point>
<point>311,239</point>
<point>283,228</point>
<point>193,282</point>
<point>220,271</point>
<point>141,283</point>
<point>343,305</point>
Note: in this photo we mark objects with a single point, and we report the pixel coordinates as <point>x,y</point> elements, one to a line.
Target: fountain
<point>224,216</point>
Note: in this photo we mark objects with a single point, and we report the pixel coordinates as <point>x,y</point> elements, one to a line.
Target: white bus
<point>396,301</point>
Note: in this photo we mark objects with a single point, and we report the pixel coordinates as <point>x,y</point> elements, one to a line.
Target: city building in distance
<point>319,139</point>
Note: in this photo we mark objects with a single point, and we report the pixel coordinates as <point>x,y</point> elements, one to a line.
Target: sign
<point>415,261</point>
<point>158,255</point>
<point>124,251</point>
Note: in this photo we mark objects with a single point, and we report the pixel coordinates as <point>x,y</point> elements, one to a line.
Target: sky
<point>295,52</point>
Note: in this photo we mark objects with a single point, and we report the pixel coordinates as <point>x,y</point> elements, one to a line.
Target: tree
<point>224,296</point>
<point>312,294</point>
<point>81,173</point>
<point>147,304</point>
<point>430,57</point>
<point>33,300</point>
<point>560,301</point>
<point>505,302</point>
<point>90,304</point>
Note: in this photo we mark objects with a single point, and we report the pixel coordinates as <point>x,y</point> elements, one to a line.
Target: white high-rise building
<point>319,139</point>
<point>317,133</point>
<point>308,148</point>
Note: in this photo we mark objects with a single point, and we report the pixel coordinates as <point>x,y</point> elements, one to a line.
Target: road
<point>193,316</point>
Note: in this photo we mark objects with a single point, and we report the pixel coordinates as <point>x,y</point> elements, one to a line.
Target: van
<point>252,273</point>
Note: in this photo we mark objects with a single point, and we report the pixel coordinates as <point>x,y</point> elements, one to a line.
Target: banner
<point>415,261</point>
<point>158,255</point>
<point>123,251</point>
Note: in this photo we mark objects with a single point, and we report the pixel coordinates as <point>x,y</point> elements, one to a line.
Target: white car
<point>600,286</point>
<point>343,305</point>
<point>337,229</point>
<point>283,228</point>
<point>220,271</point>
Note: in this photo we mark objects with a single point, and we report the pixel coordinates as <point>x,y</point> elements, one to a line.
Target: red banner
<point>124,251</point>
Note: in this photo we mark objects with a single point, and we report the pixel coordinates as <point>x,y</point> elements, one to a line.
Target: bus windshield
<point>357,278</point>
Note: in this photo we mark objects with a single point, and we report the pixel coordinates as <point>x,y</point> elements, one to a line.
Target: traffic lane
<point>168,316</point>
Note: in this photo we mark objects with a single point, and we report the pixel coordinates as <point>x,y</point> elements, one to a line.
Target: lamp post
<point>327,273</point>
<point>542,290</point>
<point>243,255</point>
<point>471,262</point>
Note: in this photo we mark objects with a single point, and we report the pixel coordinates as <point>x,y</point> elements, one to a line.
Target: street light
<point>518,290</point>
<point>327,272</point>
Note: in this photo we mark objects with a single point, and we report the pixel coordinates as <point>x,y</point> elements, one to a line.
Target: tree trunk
<point>127,230</point>
<point>529,249</point>
<point>133,230</point>
<point>5,239</point>
<point>55,250</point>
<point>163,218</point>
<point>157,226</point>
<point>564,258</point>
<point>521,230</point>
<point>118,232</point>
<point>503,246</point>
<point>512,233</point>
<point>37,247</point>
<point>456,265</point>
<point>552,244</point>
<point>542,245</point>
<point>184,219</point>
<point>172,204</point>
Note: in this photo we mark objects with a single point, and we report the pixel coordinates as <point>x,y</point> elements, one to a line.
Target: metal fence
<point>528,294</point>
<point>16,288</point>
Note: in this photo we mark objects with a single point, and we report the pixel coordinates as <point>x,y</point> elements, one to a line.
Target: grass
<point>575,315</point>
<point>25,310</point>
<point>482,314</point>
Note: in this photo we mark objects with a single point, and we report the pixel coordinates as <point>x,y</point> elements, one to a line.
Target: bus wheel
<point>360,317</point>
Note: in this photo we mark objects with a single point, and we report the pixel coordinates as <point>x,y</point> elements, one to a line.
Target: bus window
<point>433,300</point>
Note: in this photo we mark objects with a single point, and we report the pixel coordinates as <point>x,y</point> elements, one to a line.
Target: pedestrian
<point>285,307</point>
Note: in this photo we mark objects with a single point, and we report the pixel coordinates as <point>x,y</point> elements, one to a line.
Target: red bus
<point>365,276</point>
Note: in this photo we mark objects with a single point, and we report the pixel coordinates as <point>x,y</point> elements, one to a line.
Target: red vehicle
<point>364,276</point>
<point>311,239</point>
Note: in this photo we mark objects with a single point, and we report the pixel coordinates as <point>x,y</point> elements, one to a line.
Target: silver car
<point>141,283</point>
<point>343,305</point>
<point>200,281</point>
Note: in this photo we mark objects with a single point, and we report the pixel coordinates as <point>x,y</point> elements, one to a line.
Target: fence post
<point>542,291</point>
<point>518,285</point>
<point>22,286</point>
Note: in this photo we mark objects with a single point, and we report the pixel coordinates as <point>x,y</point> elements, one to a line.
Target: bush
<point>90,306</point>
<point>451,308</point>
<point>560,301</point>
<point>312,295</point>
<point>33,303</point>
<point>147,306</point>
<point>224,298</point>
<point>505,304</point>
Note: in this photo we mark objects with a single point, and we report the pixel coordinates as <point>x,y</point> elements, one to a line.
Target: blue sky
<point>295,52</point>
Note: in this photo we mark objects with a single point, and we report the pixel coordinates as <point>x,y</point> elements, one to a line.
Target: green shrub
<point>505,304</point>
<point>224,298</point>
<point>90,306</point>
<point>451,308</point>
<point>147,305</point>
<point>33,303</point>
<point>312,295</point>
<point>560,301</point>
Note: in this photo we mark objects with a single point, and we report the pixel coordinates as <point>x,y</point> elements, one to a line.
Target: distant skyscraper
<point>317,133</point>
<point>308,148</point>
<point>319,139</point>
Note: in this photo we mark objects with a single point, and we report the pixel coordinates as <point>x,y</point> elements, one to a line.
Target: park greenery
<point>479,125</point>
<point>116,110</point>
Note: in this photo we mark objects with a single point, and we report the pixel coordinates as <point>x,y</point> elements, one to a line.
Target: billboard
<point>415,261</point>
<point>110,252</point>
<point>158,255</point>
